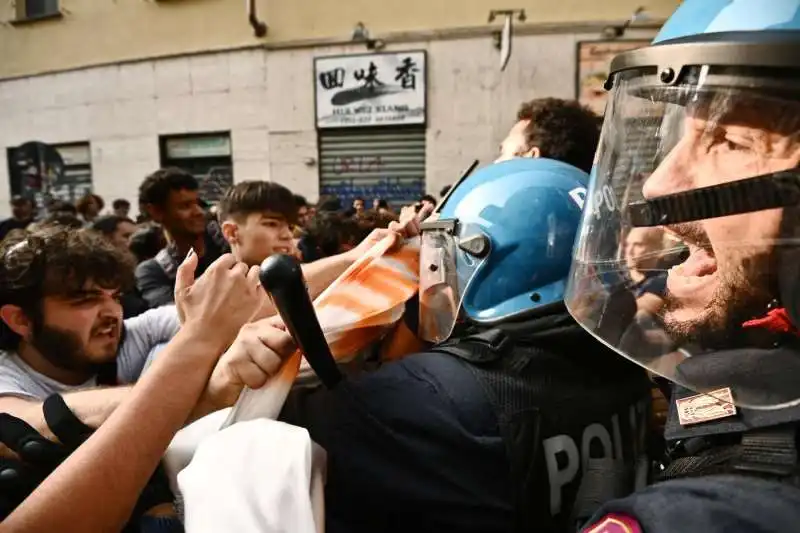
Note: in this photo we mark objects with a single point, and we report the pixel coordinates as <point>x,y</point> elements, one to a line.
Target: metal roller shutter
<point>386,163</point>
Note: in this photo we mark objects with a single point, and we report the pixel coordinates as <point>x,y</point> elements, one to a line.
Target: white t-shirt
<point>142,334</point>
<point>260,476</point>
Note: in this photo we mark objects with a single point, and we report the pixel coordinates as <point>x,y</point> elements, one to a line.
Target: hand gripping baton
<point>283,280</point>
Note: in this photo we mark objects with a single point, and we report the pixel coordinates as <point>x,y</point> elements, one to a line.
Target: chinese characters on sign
<point>369,81</point>
<point>370,90</point>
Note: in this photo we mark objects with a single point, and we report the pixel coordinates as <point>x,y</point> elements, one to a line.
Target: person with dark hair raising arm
<point>97,487</point>
<point>255,218</point>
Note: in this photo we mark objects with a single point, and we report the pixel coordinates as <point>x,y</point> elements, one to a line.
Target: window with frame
<point>73,181</point>
<point>77,179</point>
<point>35,9</point>
<point>207,156</point>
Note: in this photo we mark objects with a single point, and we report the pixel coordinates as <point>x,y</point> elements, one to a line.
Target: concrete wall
<point>266,100</point>
<point>92,32</point>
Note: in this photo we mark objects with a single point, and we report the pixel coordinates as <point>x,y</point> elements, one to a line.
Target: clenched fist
<point>222,300</point>
<point>254,356</point>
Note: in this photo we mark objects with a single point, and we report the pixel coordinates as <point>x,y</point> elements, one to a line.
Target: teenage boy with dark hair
<point>256,217</point>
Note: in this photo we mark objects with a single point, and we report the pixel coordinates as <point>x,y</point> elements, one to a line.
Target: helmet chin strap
<point>758,193</point>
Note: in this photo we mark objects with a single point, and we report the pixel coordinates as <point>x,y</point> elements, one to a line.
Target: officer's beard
<point>743,293</point>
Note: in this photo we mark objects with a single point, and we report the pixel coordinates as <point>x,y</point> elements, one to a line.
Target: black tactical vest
<point>573,414</point>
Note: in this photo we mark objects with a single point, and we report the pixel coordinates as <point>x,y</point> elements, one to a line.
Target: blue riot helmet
<point>501,245</point>
<point>701,140</point>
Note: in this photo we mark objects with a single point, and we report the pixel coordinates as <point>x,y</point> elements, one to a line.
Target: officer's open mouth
<point>701,262</point>
<point>696,272</point>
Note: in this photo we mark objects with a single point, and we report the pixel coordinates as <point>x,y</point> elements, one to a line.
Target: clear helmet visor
<point>446,272</point>
<point>687,259</point>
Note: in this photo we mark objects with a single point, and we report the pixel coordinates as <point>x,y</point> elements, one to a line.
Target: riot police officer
<point>701,138</point>
<point>493,427</point>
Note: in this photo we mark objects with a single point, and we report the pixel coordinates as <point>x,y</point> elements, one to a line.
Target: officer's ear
<point>533,153</point>
<point>17,321</point>
<point>230,230</point>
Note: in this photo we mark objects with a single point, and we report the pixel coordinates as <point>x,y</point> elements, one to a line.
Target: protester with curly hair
<point>558,129</point>
<point>89,207</point>
<point>61,327</point>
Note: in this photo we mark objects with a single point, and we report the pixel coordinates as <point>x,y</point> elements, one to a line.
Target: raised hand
<point>222,300</point>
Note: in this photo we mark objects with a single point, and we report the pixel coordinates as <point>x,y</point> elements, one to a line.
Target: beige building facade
<point>121,88</point>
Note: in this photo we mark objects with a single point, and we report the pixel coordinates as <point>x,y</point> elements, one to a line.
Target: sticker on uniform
<point>615,523</point>
<point>706,407</point>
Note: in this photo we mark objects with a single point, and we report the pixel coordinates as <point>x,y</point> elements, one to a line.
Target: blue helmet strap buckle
<point>476,244</point>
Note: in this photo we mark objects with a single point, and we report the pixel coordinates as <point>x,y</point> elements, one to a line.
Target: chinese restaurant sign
<point>370,90</point>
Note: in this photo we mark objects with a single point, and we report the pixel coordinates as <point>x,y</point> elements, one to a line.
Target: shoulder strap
<point>605,479</point>
<point>64,424</point>
<point>771,452</point>
<point>480,348</point>
<point>768,453</point>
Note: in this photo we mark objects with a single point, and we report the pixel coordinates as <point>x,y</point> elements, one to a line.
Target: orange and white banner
<point>355,311</point>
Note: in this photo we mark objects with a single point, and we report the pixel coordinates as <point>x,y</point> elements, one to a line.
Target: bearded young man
<point>62,327</point>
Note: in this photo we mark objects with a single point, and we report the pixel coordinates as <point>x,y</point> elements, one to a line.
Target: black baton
<point>283,280</point>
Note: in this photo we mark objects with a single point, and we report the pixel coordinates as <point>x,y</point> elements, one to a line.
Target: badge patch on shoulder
<point>706,407</point>
<point>615,523</point>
